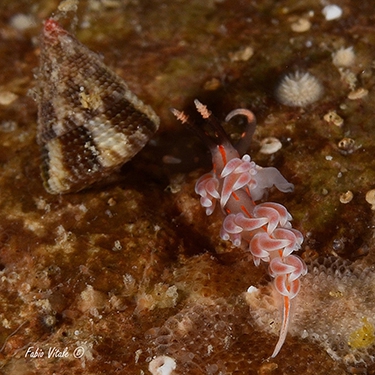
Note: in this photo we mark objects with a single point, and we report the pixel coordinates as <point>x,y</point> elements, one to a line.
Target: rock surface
<point>103,280</point>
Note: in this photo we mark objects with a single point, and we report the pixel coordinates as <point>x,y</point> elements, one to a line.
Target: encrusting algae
<point>363,337</point>
<point>335,309</point>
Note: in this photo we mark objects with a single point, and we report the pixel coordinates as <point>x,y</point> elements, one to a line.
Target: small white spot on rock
<point>301,25</point>
<point>344,57</point>
<point>270,145</point>
<point>333,118</point>
<point>162,365</point>
<point>7,97</point>
<point>332,12</point>
<point>22,21</point>
<point>242,54</point>
<point>117,246</point>
<point>348,145</point>
<point>252,289</point>
<point>8,126</point>
<point>68,6</point>
<point>346,197</point>
<point>358,94</point>
<point>370,198</point>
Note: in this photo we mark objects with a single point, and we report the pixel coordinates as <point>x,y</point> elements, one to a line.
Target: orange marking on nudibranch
<point>223,154</point>
<point>235,196</point>
<point>243,208</point>
<point>214,167</point>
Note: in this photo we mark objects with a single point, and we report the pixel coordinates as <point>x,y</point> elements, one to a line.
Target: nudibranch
<point>264,229</point>
<point>89,122</point>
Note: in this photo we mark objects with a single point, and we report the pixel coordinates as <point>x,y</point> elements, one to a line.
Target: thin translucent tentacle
<point>247,135</point>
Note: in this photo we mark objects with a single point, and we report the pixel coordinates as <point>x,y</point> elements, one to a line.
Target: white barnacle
<point>299,89</point>
<point>270,145</point>
<point>333,118</point>
<point>162,365</point>
<point>370,198</point>
<point>346,197</point>
<point>301,25</point>
<point>344,57</point>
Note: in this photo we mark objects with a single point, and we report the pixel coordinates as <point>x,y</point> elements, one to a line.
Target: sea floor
<point>109,279</point>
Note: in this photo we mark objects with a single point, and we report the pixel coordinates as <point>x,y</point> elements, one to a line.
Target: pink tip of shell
<point>52,27</point>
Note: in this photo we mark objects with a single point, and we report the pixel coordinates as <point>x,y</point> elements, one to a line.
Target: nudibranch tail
<point>284,326</point>
<point>265,229</point>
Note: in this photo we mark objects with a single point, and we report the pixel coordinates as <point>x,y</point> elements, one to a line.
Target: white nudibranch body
<point>265,230</point>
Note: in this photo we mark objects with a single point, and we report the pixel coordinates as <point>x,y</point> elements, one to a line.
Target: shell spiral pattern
<point>89,122</point>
